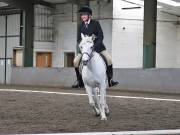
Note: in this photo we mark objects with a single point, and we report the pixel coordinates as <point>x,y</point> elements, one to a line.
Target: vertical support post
<point>21,28</point>
<point>28,36</point>
<point>5,72</point>
<point>149,40</point>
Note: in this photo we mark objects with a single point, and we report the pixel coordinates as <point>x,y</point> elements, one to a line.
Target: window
<point>68,59</point>
<point>43,29</point>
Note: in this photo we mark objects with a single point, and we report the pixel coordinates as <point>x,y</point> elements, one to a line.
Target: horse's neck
<point>95,63</point>
<point>95,71</point>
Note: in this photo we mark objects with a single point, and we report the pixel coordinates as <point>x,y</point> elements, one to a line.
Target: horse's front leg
<point>90,96</point>
<point>96,99</point>
<point>103,102</point>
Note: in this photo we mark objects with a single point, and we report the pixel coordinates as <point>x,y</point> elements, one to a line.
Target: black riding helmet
<point>85,9</point>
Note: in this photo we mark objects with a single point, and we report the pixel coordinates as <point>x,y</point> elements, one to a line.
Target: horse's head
<point>86,46</point>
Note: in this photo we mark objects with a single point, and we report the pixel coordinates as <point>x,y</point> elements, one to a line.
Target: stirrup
<point>77,85</point>
<point>113,83</point>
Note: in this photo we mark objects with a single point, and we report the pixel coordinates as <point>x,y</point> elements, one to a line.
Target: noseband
<point>89,55</point>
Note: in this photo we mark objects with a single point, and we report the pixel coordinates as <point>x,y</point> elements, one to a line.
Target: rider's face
<point>84,17</point>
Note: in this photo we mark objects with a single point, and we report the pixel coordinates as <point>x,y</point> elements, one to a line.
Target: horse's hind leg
<point>103,102</point>
<point>96,100</point>
<point>107,110</point>
<point>96,110</point>
<point>106,107</point>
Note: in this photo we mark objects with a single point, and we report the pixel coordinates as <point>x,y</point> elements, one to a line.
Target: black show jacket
<point>93,28</point>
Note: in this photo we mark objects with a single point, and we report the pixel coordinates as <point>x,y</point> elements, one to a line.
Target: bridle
<point>89,55</point>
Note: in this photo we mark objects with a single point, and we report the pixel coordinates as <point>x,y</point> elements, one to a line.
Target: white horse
<point>94,76</point>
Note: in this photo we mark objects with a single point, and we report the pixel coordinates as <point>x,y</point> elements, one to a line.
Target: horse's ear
<point>82,35</point>
<point>93,37</point>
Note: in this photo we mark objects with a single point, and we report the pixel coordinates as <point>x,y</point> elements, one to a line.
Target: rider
<point>89,27</point>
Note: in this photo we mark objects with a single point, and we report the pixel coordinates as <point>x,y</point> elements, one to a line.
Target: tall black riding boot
<point>79,83</point>
<point>110,76</point>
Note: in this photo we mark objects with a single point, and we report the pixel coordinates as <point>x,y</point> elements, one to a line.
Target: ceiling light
<point>159,6</point>
<point>139,2</point>
<point>2,4</point>
<point>170,2</point>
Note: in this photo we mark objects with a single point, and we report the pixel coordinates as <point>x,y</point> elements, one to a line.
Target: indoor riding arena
<point>40,86</point>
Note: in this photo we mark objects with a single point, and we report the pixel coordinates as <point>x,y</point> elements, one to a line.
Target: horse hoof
<point>104,119</point>
<point>97,114</point>
<point>107,113</point>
